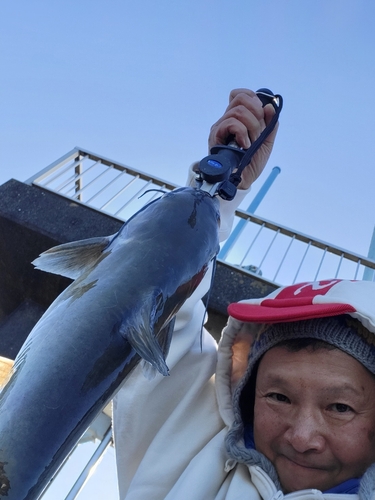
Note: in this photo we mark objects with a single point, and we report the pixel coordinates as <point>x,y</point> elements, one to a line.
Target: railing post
<point>368,273</point>
<point>78,182</point>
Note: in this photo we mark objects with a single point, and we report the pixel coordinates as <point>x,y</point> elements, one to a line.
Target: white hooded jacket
<point>170,433</point>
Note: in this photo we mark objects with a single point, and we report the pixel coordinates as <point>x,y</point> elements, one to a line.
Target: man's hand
<point>245,119</point>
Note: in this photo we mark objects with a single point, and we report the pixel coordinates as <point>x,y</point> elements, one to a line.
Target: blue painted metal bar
<point>252,207</point>
<point>368,274</point>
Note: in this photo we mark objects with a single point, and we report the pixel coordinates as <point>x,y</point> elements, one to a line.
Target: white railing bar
<point>234,236</point>
<point>71,179</point>
<point>106,186</point>
<point>320,263</point>
<point>121,166</point>
<point>250,247</point>
<point>75,178</point>
<point>268,249</point>
<point>305,238</point>
<point>45,172</point>
<point>302,261</point>
<point>120,192</point>
<point>61,172</point>
<point>90,466</point>
<point>137,194</point>
<point>338,267</point>
<point>357,269</point>
<point>282,260</point>
<point>66,169</point>
<point>68,456</point>
<point>107,169</point>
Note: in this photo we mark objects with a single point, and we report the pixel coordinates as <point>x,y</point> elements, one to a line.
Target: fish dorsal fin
<point>140,333</point>
<point>72,259</point>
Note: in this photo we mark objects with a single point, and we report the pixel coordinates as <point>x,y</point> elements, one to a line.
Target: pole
<point>252,207</point>
<point>368,273</point>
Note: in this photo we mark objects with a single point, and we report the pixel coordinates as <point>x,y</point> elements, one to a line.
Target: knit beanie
<point>343,332</point>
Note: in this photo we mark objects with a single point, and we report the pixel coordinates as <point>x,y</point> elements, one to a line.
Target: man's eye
<point>278,397</point>
<point>341,408</point>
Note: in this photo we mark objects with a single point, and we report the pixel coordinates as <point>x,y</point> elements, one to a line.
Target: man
<point>294,416</point>
<point>306,402</point>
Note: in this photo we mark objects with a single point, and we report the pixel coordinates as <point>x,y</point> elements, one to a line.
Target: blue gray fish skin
<point>126,292</point>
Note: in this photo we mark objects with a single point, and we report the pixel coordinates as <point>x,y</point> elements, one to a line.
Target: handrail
<point>276,252</point>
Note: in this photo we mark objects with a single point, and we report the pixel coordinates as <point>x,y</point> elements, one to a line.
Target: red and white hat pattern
<point>310,300</point>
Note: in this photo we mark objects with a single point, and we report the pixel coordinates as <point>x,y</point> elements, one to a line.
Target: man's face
<point>314,417</point>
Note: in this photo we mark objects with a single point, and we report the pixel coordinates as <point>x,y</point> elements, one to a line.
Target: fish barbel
<point>118,311</point>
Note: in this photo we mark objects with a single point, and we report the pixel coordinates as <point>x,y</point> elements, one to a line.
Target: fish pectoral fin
<point>72,259</point>
<point>140,333</point>
<point>164,338</point>
<point>147,346</point>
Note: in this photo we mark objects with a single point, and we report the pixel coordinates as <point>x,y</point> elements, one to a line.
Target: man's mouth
<point>305,464</point>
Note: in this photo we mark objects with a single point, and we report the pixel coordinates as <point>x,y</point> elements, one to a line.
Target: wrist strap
<point>277,103</point>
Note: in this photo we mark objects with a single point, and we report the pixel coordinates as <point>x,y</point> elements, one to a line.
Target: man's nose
<point>306,431</point>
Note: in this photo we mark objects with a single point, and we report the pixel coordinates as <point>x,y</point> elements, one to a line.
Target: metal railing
<point>110,187</point>
<point>267,249</point>
<point>284,256</point>
<point>80,465</point>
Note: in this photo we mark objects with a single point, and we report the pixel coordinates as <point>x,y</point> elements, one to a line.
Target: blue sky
<point>142,82</point>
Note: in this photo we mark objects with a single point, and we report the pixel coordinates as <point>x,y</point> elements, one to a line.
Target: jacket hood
<point>247,319</point>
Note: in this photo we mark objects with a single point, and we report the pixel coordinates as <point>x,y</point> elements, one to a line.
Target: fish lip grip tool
<point>220,172</point>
